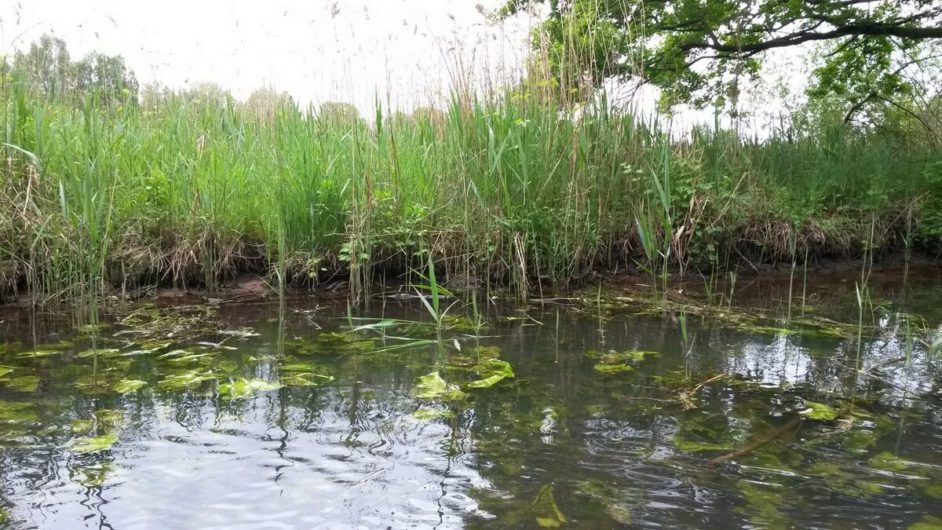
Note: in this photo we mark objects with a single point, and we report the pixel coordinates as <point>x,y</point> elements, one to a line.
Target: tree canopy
<point>697,51</point>
<point>48,68</point>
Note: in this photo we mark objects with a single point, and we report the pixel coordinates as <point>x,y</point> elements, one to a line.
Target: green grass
<point>505,190</point>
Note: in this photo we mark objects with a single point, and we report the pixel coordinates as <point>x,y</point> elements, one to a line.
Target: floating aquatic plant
<point>546,512</point>
<point>23,383</point>
<point>492,371</point>
<point>94,444</point>
<point>243,388</point>
<point>433,387</point>
<point>126,386</point>
<point>818,411</point>
<point>616,362</point>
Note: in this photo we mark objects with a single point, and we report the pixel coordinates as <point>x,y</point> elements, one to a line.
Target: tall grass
<point>511,189</point>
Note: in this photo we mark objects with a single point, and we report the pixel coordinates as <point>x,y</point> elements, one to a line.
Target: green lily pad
<point>242,388</point>
<point>89,444</point>
<point>23,383</point>
<point>432,386</point>
<point>126,386</point>
<point>819,412</point>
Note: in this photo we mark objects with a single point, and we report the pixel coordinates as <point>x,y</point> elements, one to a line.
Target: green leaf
<point>242,388</point>
<point>818,412</point>
<point>493,371</point>
<point>185,380</point>
<point>546,511</point>
<point>432,386</point>
<point>487,382</point>
<point>887,461</point>
<point>612,369</point>
<point>305,379</point>
<point>4,370</point>
<point>428,414</point>
<point>17,412</point>
<point>23,383</point>
<point>126,386</point>
<point>98,353</point>
<point>95,444</point>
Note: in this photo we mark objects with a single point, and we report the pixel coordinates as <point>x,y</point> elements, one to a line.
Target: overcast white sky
<point>316,50</point>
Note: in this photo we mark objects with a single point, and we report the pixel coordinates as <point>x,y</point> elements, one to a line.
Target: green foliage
<point>193,187</point>
<point>433,387</point>
<point>47,68</point>
<point>546,513</point>
<point>243,388</point>
<point>94,444</point>
<point>819,411</point>
<point>700,52</point>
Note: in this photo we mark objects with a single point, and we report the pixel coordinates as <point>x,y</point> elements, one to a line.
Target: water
<point>209,441</point>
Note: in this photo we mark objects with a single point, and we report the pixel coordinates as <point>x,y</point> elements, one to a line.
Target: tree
<point>263,104</point>
<point>46,66</point>
<point>106,77</point>
<point>338,114</point>
<point>698,51</point>
<point>48,69</point>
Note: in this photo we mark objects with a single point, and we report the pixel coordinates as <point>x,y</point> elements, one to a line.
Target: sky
<point>406,52</point>
<point>402,53</point>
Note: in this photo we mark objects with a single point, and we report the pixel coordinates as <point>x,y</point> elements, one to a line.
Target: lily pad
<point>89,444</point>
<point>242,388</point>
<point>432,386</point>
<point>126,386</point>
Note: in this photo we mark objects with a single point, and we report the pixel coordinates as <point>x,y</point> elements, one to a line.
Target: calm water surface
<point>313,416</point>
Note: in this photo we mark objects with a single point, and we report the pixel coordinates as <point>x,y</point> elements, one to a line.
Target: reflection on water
<point>201,417</point>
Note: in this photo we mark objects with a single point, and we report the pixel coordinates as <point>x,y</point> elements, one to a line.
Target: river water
<point>620,408</point>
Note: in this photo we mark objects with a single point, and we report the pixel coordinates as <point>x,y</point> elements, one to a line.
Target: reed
<point>511,188</point>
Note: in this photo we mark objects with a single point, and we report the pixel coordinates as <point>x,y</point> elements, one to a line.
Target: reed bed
<point>509,190</point>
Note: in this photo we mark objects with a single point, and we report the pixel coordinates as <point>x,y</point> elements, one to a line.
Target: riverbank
<point>187,192</point>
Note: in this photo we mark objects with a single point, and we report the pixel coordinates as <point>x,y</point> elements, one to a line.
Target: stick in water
<point>789,426</point>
